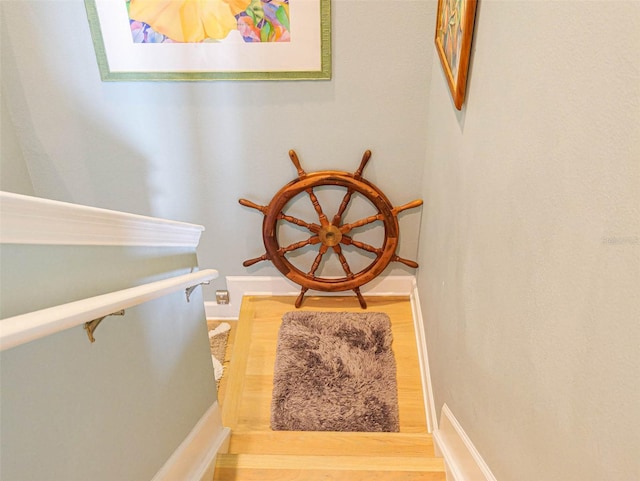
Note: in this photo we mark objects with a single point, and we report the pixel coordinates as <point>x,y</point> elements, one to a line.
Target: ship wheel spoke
<point>316,205</point>
<point>347,197</point>
<point>315,228</point>
<point>314,267</point>
<point>345,265</point>
<point>361,245</point>
<point>346,228</point>
<point>316,263</point>
<point>314,239</point>
<point>343,260</point>
<point>343,206</point>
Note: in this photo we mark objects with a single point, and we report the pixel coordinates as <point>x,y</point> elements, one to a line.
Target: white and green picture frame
<point>248,39</point>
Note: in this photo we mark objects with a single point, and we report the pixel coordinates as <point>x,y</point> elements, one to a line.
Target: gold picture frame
<point>454,32</point>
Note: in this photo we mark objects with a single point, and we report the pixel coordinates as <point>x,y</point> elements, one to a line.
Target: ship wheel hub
<point>330,235</point>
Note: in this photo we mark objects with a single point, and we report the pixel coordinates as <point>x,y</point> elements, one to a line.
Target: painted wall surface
<point>530,241</point>
<point>14,175</point>
<point>189,151</point>
<point>35,277</point>
<point>529,244</point>
<point>115,409</point>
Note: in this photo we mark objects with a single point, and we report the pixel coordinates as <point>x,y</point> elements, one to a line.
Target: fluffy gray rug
<point>335,371</point>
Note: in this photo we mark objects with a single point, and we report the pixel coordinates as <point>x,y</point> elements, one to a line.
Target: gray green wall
<point>35,277</point>
<point>530,241</point>
<point>14,175</point>
<point>115,409</point>
<point>189,151</point>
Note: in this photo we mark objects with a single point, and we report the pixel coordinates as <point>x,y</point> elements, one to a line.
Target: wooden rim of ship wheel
<point>330,235</point>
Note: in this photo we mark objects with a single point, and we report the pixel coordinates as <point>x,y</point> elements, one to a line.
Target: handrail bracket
<point>189,290</point>
<point>91,326</point>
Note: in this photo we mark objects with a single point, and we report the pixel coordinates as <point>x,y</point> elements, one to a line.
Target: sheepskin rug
<point>335,371</point>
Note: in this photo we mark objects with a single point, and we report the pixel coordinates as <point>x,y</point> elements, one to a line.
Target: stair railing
<point>24,328</point>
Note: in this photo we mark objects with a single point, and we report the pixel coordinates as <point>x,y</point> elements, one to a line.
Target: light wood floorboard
<point>246,398</point>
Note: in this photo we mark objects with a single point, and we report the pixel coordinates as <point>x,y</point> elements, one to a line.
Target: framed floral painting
<point>454,31</point>
<point>190,40</point>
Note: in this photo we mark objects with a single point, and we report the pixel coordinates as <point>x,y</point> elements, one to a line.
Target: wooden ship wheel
<point>330,235</point>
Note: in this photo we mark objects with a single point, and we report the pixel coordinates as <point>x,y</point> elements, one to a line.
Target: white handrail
<point>35,325</point>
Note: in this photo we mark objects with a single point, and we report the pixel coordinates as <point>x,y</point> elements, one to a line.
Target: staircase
<point>256,453</point>
<point>314,456</point>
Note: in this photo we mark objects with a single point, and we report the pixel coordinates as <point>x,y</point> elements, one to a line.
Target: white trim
<point>195,458</point>
<point>35,325</point>
<point>423,357</point>
<point>239,286</point>
<point>31,220</point>
<point>462,460</point>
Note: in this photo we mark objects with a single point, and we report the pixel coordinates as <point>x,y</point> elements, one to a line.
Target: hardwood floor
<point>246,404</point>
<point>257,452</point>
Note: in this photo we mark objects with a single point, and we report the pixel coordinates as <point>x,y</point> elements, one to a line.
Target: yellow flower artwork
<point>194,21</point>
<point>202,40</point>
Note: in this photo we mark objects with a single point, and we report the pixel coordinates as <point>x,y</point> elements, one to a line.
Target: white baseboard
<point>462,460</point>
<point>423,357</point>
<point>195,458</point>
<point>239,286</point>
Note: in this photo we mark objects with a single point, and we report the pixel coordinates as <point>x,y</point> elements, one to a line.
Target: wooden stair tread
<point>332,443</point>
<point>265,467</point>
<point>284,461</point>
<point>247,398</point>
<point>256,453</point>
